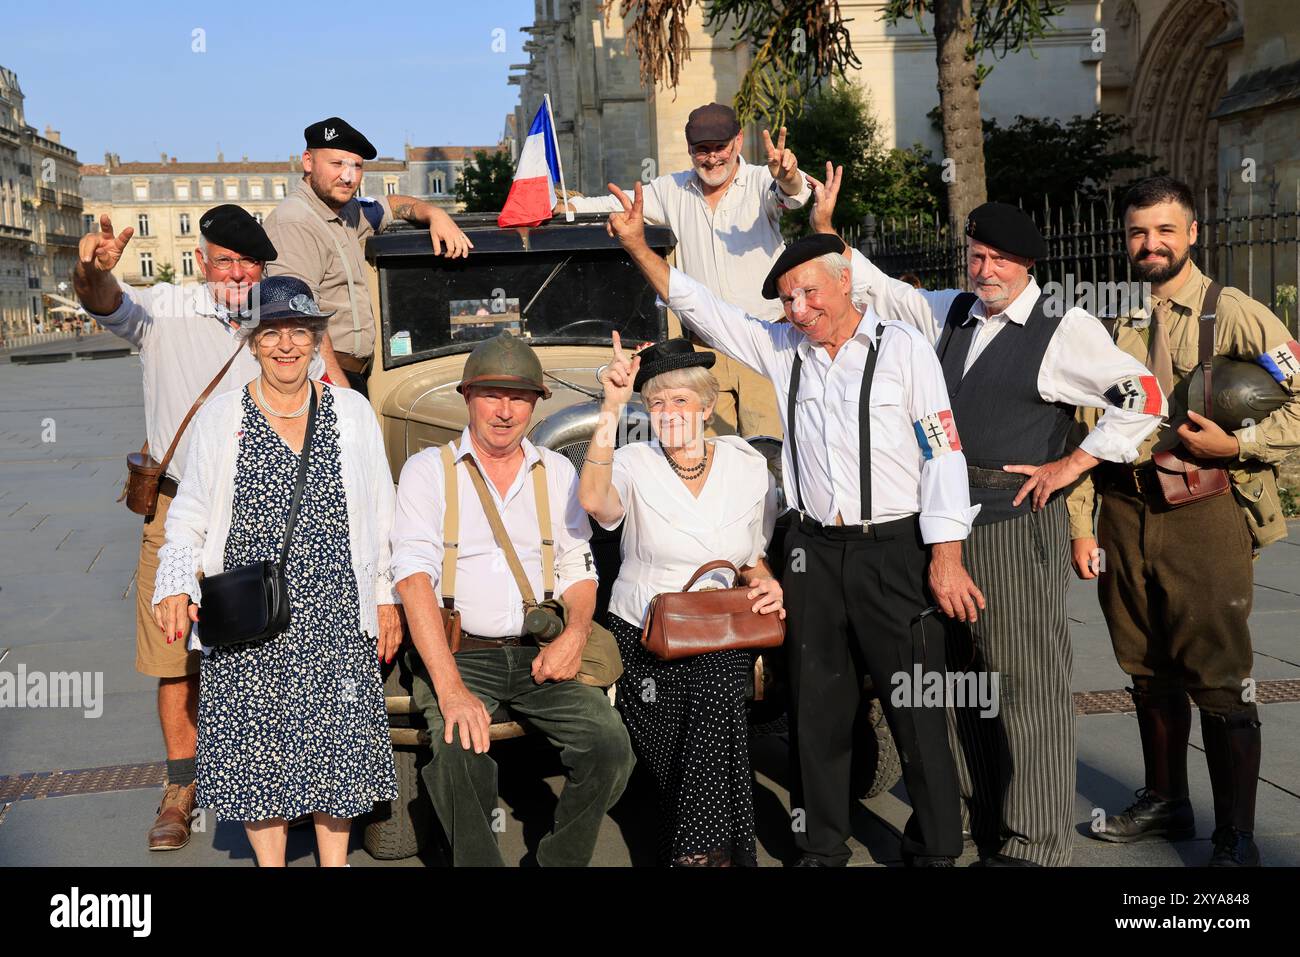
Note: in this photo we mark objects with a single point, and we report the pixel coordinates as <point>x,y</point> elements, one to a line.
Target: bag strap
<point>450,526</point>
<point>203,397</point>
<point>499,532</point>
<point>542,498</point>
<point>301,482</point>
<point>1205,343</point>
<point>347,269</point>
<point>708,567</point>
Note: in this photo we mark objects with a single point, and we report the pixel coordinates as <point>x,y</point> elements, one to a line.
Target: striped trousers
<point>1016,770</point>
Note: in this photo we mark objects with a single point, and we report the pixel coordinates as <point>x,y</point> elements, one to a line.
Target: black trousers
<point>853,603</point>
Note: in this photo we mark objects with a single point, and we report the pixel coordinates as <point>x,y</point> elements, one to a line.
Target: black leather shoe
<point>1234,848</point>
<point>1004,860</point>
<point>807,860</point>
<point>928,861</point>
<point>1149,818</point>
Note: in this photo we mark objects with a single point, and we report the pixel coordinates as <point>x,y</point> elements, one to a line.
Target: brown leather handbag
<point>684,623</point>
<point>1183,480</point>
<point>144,474</point>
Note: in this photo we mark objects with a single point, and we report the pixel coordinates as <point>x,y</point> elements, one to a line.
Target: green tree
<point>964,29</point>
<point>164,273</point>
<point>484,183</point>
<point>837,126</point>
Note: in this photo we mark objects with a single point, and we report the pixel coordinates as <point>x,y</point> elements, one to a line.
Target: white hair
<point>835,264</point>
<point>696,378</point>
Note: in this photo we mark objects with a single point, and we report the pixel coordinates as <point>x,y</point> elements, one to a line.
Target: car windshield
<point>433,306</point>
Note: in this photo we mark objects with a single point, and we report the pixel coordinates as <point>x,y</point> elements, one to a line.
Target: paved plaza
<point>67,599</point>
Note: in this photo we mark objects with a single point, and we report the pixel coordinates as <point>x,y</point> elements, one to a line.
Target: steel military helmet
<point>505,362</point>
<point>1244,393</point>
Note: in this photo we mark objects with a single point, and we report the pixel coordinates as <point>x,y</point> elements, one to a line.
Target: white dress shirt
<point>730,249</point>
<point>668,533</point>
<point>908,474</point>
<point>487,597</point>
<point>184,338</point>
<point>1081,362</point>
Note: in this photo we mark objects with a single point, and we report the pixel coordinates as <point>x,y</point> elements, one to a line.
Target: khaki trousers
<point>153,656</point>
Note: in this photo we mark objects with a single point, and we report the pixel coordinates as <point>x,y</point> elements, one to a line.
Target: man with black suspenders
<point>874,463</point>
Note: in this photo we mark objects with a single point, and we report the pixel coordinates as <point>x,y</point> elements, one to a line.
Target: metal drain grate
<point>1118,702</point>
<point>36,785</point>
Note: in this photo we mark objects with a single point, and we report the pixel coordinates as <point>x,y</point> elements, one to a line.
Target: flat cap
<point>799,252</point>
<point>711,123</point>
<point>336,134</point>
<point>235,228</point>
<point>1007,228</point>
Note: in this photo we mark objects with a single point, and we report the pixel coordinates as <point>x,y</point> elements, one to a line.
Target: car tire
<point>400,829</point>
<point>876,764</point>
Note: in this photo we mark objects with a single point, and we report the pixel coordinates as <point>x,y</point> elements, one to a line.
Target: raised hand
<point>781,163</point>
<point>620,375</point>
<point>102,250</point>
<point>825,196</point>
<point>628,226</point>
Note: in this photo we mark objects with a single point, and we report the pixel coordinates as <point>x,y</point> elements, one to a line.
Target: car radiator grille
<point>575,453</point>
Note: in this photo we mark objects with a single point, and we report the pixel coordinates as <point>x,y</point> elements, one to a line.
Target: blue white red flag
<point>532,195</point>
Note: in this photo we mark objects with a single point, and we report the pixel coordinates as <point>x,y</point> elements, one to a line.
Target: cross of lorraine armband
<point>936,434</point>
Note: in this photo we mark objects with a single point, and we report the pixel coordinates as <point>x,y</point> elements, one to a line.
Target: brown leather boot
<point>171,831</point>
<point>1232,754</point>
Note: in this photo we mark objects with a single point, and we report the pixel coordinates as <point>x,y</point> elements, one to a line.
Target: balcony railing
<point>14,232</point>
<point>59,239</point>
<point>47,195</point>
<point>71,200</point>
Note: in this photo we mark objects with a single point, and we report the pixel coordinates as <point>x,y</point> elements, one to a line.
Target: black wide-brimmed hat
<point>669,355</point>
<point>282,299</point>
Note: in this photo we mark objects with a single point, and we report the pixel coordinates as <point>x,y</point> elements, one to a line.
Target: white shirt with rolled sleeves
<point>910,474</point>
<point>730,249</point>
<point>1080,366</point>
<point>184,338</point>
<point>487,597</point>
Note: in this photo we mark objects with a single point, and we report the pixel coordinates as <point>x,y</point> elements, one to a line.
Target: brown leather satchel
<point>1183,480</point>
<point>144,474</point>
<point>686,623</point>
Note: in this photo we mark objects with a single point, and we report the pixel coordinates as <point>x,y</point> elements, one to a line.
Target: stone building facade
<point>432,171</point>
<point>40,215</point>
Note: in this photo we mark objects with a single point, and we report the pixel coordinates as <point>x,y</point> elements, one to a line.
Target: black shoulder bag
<point>251,603</point>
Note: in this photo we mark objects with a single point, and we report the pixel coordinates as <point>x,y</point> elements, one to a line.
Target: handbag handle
<point>301,482</point>
<point>708,567</point>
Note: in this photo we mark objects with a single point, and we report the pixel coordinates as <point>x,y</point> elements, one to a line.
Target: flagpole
<point>568,213</point>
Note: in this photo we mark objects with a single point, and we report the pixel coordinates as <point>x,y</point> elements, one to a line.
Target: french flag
<point>532,195</point>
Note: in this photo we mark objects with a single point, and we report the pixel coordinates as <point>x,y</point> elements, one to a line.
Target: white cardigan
<point>198,521</point>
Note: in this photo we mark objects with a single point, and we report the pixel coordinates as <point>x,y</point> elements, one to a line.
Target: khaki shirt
<point>1246,330</point>
<point>304,231</point>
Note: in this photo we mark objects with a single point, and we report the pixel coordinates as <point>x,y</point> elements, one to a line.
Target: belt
<point>351,363</point>
<point>167,486</point>
<point>994,478</point>
<point>1135,480</point>
<point>871,531</point>
<point>476,643</point>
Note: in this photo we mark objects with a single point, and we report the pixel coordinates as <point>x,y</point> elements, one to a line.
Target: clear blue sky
<point>122,78</point>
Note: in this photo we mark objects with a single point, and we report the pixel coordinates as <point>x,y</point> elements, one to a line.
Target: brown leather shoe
<point>171,831</point>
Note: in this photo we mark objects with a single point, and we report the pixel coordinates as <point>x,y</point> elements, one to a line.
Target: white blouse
<point>669,533</point>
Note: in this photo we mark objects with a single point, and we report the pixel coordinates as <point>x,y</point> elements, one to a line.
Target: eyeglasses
<point>706,149</point>
<point>226,262</point>
<point>298,336</point>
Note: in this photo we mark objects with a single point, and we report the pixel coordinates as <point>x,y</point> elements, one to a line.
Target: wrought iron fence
<point>1253,245</point>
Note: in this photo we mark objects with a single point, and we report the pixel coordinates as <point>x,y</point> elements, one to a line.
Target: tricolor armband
<point>936,434</point>
<point>1283,362</point>
<point>1136,394</point>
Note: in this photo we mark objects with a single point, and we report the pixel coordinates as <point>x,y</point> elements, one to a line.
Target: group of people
<point>909,543</point>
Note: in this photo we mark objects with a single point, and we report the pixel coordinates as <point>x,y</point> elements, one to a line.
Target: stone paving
<point>67,603</point>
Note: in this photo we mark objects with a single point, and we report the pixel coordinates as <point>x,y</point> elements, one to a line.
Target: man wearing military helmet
<point>1176,582</point>
<point>445,555</point>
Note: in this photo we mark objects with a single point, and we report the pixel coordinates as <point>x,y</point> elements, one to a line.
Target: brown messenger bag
<point>686,623</point>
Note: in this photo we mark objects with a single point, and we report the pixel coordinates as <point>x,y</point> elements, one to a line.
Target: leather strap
<point>450,526</point>
<point>1205,343</point>
<point>542,498</point>
<point>711,566</point>
<point>203,397</point>
<point>347,268</point>
<point>301,482</point>
<point>499,529</point>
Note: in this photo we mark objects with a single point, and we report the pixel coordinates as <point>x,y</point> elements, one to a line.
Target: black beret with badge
<point>336,134</point>
<point>802,250</point>
<point>1007,228</point>
<point>235,228</point>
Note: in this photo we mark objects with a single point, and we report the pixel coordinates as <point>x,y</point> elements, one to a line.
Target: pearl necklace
<point>257,385</point>
<point>694,471</point>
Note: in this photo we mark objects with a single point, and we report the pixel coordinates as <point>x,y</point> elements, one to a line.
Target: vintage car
<point>565,288</point>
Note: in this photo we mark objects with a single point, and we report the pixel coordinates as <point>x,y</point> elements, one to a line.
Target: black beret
<point>235,228</point>
<point>669,355</point>
<point>1007,228</point>
<point>335,134</point>
<point>799,252</point>
<point>711,123</point>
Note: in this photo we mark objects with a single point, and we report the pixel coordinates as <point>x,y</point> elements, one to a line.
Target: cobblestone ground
<point>66,604</point>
